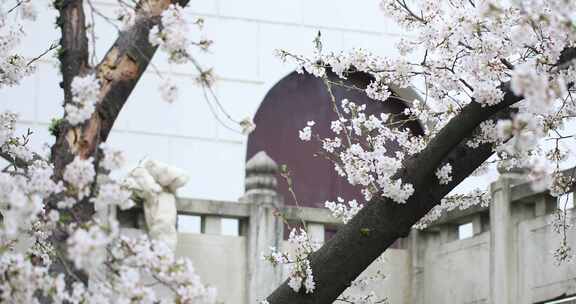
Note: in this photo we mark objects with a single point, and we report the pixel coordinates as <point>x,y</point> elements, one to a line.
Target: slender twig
<point>53,46</point>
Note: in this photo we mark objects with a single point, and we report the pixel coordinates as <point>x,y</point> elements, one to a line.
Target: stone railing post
<point>265,229</point>
<point>503,253</point>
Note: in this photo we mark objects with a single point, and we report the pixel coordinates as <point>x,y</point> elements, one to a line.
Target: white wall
<point>458,271</point>
<point>185,133</point>
<point>540,277</point>
<point>220,261</point>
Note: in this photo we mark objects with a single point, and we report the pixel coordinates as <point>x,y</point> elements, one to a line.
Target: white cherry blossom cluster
<point>139,257</point>
<point>85,93</point>
<point>126,15</point>
<point>13,67</point>
<point>23,281</point>
<point>299,270</point>
<point>361,154</point>
<point>7,126</point>
<point>172,34</point>
<point>94,247</point>
<point>87,248</point>
<point>13,146</point>
<point>488,133</point>
<point>378,91</point>
<point>174,37</point>
<point>563,254</point>
<point>476,197</point>
<point>22,193</point>
<point>19,206</point>
<point>342,211</point>
<point>248,126</point>
<point>111,195</point>
<point>360,290</point>
<point>444,174</point>
<point>80,174</point>
<point>524,131</point>
<point>306,133</point>
<point>113,159</point>
<point>561,184</point>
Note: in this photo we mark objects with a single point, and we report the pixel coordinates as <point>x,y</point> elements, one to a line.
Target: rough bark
<point>73,55</point>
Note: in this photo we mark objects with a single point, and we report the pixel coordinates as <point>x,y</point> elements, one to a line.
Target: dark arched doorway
<point>293,101</point>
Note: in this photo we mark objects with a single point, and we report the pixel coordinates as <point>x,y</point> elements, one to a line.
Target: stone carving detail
<point>261,173</point>
<point>157,183</point>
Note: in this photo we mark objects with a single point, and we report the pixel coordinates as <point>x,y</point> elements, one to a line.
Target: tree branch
<point>378,225</point>
<point>382,221</point>
<point>118,73</point>
<point>73,52</point>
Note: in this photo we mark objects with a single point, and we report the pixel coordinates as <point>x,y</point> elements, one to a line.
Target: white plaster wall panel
<point>344,14</point>
<point>378,44</point>
<point>138,146</point>
<point>294,39</point>
<point>21,99</point>
<point>389,27</point>
<point>395,265</point>
<point>541,278</point>
<point>50,95</point>
<point>468,262</point>
<point>331,39</point>
<point>220,261</point>
<point>146,111</point>
<point>203,6</point>
<point>199,6</point>
<point>160,64</point>
<point>227,45</point>
<point>106,33</point>
<point>270,10</point>
<point>216,168</point>
<point>41,138</point>
<point>190,114</point>
<point>234,53</point>
<point>240,100</point>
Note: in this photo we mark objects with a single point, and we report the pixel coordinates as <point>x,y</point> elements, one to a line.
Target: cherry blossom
<point>85,91</point>
<point>342,211</point>
<point>444,174</point>
<point>299,270</point>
